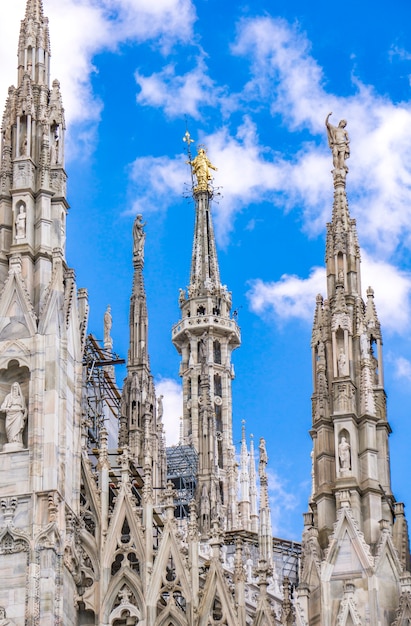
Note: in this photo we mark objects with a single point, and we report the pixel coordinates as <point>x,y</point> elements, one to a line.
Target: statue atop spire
<point>201,166</point>
<point>339,142</point>
<point>139,238</point>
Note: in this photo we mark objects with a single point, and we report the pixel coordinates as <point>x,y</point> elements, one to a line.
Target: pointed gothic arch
<point>171,617</point>
<point>125,578</point>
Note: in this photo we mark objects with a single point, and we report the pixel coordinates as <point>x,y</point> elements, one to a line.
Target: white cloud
<point>290,83</point>
<point>156,182</point>
<point>379,184</point>
<point>79,29</point>
<point>178,95</point>
<point>281,500</point>
<point>173,404</point>
<point>392,288</point>
<point>402,368</point>
<point>290,297</point>
<point>293,297</point>
<point>244,173</point>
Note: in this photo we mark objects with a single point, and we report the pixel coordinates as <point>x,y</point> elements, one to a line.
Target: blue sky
<point>254,81</point>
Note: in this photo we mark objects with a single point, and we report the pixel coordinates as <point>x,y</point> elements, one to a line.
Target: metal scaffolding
<point>182,463</point>
<point>101,400</point>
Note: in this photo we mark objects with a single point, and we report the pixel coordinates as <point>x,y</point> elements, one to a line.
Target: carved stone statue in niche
<point>4,621</point>
<point>341,363</point>
<point>55,146</point>
<point>365,346</point>
<point>14,406</point>
<point>21,223</point>
<point>344,454</point>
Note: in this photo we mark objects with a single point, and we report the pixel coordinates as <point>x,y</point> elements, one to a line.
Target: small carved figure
<point>365,346</point>
<point>4,621</point>
<point>160,408</point>
<point>341,362</point>
<point>201,166</point>
<point>55,146</point>
<point>139,237</point>
<point>181,296</point>
<point>344,454</point>
<point>15,409</point>
<point>108,323</point>
<point>202,349</point>
<point>21,223</point>
<point>339,141</point>
<point>263,457</point>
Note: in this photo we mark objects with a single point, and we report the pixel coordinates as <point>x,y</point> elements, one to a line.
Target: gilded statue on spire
<point>201,167</point>
<point>339,142</point>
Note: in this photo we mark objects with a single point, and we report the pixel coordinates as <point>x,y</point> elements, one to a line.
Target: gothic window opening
<point>201,310</point>
<point>170,570</point>
<point>218,418</point>
<point>180,601</point>
<point>133,562</point>
<point>220,450</point>
<point>217,610</point>
<point>217,352</point>
<point>218,388</point>
<point>116,564</point>
<point>86,514</point>
<point>125,532</point>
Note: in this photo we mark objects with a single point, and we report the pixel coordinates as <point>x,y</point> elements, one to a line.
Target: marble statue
<point>201,166</point>
<point>108,322</point>
<point>263,457</point>
<point>341,362</point>
<point>339,141</point>
<point>202,349</point>
<point>55,146</point>
<point>21,223</point>
<point>365,346</point>
<point>14,406</point>
<point>139,237</point>
<point>160,408</point>
<point>344,454</point>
